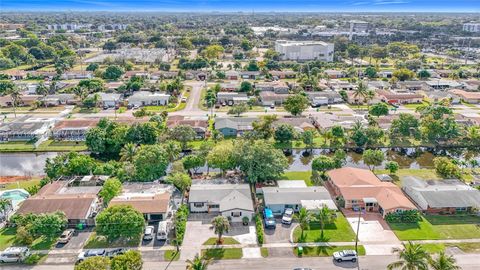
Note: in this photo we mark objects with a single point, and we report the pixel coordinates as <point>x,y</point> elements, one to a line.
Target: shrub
<point>180,223</point>
<point>259,229</point>
<point>446,168</point>
<point>23,236</point>
<point>33,259</point>
<point>408,216</point>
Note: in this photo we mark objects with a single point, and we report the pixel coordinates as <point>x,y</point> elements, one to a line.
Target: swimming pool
<point>16,195</point>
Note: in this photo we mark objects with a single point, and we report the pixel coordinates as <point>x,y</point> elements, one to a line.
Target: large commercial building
<point>304,50</point>
<point>471,27</point>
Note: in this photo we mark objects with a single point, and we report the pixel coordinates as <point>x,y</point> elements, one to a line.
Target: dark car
<point>114,252</point>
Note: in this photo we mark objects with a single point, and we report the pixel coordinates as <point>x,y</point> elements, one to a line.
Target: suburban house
<point>251,75</point>
<point>448,196</point>
<point>269,98</point>
<point>109,99</point>
<point>232,201</point>
<point>80,203</point>
<point>231,98</point>
<point>470,97</point>
<point>300,124</point>
<point>230,86</point>
<point>113,86</point>
<point>79,75</point>
<point>282,74</point>
<point>277,86</point>
<point>412,85</point>
<point>234,126</point>
<point>443,84</point>
<point>278,198</point>
<point>136,73</point>
<point>378,85</point>
<point>437,96</point>
<point>72,129</point>
<point>399,97</point>
<point>147,98</point>
<point>335,74</point>
<point>200,125</point>
<point>338,85</point>
<point>232,75</point>
<point>25,129</point>
<point>385,74</point>
<point>15,74</point>
<point>24,100</point>
<point>153,200</point>
<point>324,97</point>
<point>361,189</point>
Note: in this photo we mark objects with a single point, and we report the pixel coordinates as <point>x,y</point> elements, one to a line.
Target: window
<point>198,204</point>
<point>214,206</point>
<point>354,201</point>
<point>236,214</point>
<point>461,209</point>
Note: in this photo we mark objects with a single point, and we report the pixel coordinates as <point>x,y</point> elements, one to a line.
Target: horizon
<point>229,6</point>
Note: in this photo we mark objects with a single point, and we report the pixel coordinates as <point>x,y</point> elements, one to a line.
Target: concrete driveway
<point>196,234</point>
<point>281,234</point>
<point>376,239</point>
<point>78,240</point>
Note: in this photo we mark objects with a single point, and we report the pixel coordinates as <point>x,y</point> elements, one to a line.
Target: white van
<point>162,231</point>
<point>14,254</point>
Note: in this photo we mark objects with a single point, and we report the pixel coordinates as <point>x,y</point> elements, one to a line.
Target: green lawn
<point>61,146</point>
<point>21,184</point>
<point>7,238</point>
<point>465,247</point>
<point>340,231</point>
<point>264,252</point>
<point>305,176</point>
<point>223,253</point>
<point>16,147</point>
<point>325,251</point>
<point>427,174</point>
<point>43,243</point>
<point>439,227</point>
<point>101,242</point>
<point>226,241</point>
<point>171,255</point>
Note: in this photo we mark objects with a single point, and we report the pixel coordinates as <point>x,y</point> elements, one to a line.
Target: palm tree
<point>43,91</point>
<point>128,151</point>
<point>360,91</point>
<point>15,96</point>
<point>5,204</point>
<point>443,262</point>
<point>370,95</point>
<point>198,263</point>
<point>412,257</point>
<point>173,150</point>
<point>220,225</point>
<point>325,216</point>
<point>303,217</point>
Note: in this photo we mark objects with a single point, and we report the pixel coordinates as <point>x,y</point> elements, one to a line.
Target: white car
<point>91,253</point>
<point>149,233</point>
<point>345,255</point>
<point>287,216</point>
<point>14,254</point>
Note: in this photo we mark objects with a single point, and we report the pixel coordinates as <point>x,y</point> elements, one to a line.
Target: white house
<point>232,201</point>
<point>147,98</point>
<point>304,50</point>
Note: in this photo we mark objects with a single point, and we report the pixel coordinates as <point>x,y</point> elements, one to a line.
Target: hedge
<point>180,223</point>
<point>259,228</point>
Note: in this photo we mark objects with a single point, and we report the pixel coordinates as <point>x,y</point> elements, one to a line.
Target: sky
<point>244,5</point>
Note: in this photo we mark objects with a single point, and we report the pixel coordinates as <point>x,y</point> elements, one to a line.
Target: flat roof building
<point>304,50</point>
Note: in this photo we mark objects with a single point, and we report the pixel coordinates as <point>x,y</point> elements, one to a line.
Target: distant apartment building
<point>359,26</point>
<point>304,50</point>
<point>11,26</point>
<point>471,27</point>
<point>68,26</point>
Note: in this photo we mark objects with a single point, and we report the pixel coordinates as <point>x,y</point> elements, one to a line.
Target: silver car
<point>287,216</point>
<point>345,255</point>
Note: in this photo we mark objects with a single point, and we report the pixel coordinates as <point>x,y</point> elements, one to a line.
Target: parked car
<point>14,254</point>
<point>184,99</point>
<point>345,255</point>
<point>287,216</point>
<point>149,232</point>
<point>114,252</point>
<point>162,231</point>
<point>272,106</point>
<point>270,222</point>
<point>91,253</point>
<point>303,268</point>
<point>66,236</point>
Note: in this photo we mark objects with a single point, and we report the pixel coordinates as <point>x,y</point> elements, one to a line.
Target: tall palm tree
<point>369,96</point>
<point>173,150</point>
<point>325,216</point>
<point>361,91</point>
<point>303,217</point>
<point>220,225</point>
<point>443,262</point>
<point>43,91</point>
<point>412,257</point>
<point>5,204</point>
<point>15,96</point>
<point>198,263</point>
<point>127,152</point>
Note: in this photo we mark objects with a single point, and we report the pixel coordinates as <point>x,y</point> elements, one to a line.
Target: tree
<point>423,74</point>
<point>6,86</point>
<point>284,133</point>
<point>193,162</point>
<point>338,133</point>
<point>307,139</point>
<point>198,263</point>
<point>412,257</point>
<point>15,96</point>
<point>259,160</point>
<point>128,152</point>
<point>360,92</point>
<point>325,216</point>
<point>213,51</point>
<point>238,109</point>
<point>303,217</point>
<point>445,167</point>
<point>120,221</point>
<point>173,150</point>
<point>181,181</point>
<point>373,158</point>
<point>392,167</point>
<point>150,162</point>
<point>182,134</point>
<point>403,74</point>
<point>358,135</point>
<point>443,262</point>
<point>113,73</point>
<point>111,188</point>
<point>130,260</point>
<point>405,125</point>
<point>296,104</point>
<point>43,91</point>
<point>379,109</point>
<point>246,87</point>
<point>323,164</point>
<point>220,225</point>
<point>222,157</point>
<point>264,128</point>
<point>106,139</point>
<point>246,45</point>
<point>353,51</point>
<point>94,263</point>
<point>92,67</point>
<point>49,225</point>
<point>110,45</point>
<point>142,133</point>
<point>5,205</point>
<point>252,66</point>
<point>371,72</point>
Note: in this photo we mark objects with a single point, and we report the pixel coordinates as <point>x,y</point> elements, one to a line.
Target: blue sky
<point>244,5</point>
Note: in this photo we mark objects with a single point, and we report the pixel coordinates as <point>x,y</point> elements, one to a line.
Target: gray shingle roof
<point>276,195</point>
<point>227,196</point>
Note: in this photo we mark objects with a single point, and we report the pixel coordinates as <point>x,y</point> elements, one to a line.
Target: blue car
<point>269,219</point>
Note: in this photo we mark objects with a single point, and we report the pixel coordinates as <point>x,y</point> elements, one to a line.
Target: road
<point>467,262</point>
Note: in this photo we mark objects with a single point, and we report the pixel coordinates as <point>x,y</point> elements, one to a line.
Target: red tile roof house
<point>73,129</point>
<point>360,188</point>
<point>399,97</point>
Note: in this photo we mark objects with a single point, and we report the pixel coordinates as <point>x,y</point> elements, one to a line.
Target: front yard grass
<point>226,241</point>
<point>439,227</point>
<point>340,231</point>
<point>264,252</point>
<point>62,146</point>
<point>7,239</point>
<point>95,241</point>
<point>21,184</point>
<point>171,255</point>
<point>223,253</point>
<point>17,147</point>
<point>304,175</point>
<point>325,251</point>
<point>465,247</point>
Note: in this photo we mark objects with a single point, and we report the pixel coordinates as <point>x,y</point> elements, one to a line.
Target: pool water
<point>16,195</point>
